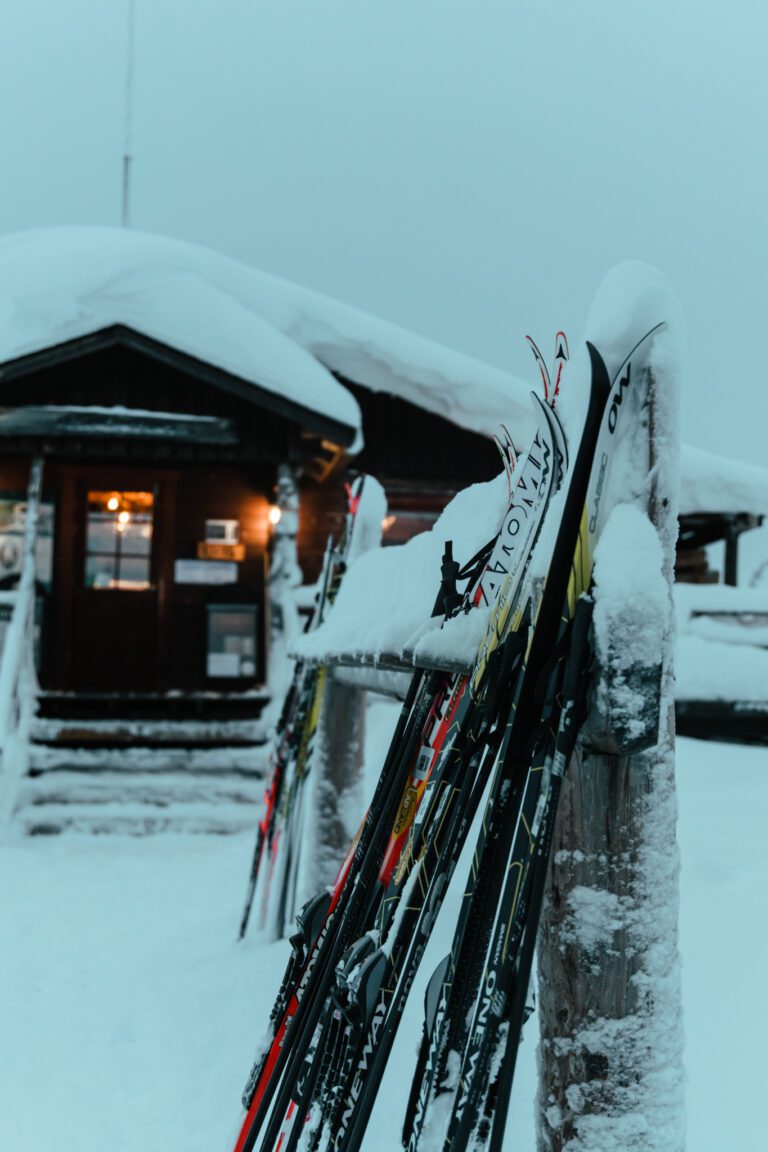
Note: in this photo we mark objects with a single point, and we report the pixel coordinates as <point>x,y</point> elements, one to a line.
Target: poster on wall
<point>204,572</point>
<point>13,522</point>
<point>231,640</point>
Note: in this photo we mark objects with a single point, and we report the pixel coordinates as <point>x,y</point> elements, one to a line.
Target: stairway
<point>137,776</point>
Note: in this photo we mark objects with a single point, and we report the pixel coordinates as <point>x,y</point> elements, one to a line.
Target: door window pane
<point>118,542</point>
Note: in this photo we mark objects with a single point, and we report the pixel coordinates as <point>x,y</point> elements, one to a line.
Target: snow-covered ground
<point>128,1014</point>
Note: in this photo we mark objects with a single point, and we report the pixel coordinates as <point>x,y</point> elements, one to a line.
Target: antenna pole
<point>127,157</point>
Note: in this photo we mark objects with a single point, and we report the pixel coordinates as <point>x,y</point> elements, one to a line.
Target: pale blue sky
<point>470,171</point>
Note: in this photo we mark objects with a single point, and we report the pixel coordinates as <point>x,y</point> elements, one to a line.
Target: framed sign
<point>206,550</point>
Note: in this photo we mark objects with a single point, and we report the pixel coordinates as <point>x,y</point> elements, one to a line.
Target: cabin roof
<point>58,286</point>
<point>279,344</point>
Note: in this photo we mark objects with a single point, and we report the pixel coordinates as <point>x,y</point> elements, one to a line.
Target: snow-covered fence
<point>18,678</point>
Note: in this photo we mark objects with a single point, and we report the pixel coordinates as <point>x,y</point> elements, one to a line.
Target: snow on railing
<point>18,678</point>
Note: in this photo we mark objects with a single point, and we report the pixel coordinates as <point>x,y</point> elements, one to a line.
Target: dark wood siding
<point>403,442</point>
<point>127,377</point>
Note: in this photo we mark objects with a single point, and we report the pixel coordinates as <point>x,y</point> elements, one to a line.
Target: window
<point>118,544</point>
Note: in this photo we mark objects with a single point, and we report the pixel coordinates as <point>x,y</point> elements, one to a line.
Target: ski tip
<point>600,377</point>
<point>561,346</point>
<point>542,366</point>
<point>507,452</point>
<point>510,447</point>
<point>354,494</point>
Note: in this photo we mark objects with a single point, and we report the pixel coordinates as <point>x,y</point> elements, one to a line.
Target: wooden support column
<point>336,799</point>
<point>731,574</point>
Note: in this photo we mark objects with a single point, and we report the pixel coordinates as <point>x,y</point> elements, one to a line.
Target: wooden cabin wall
<point>404,442</point>
<point>14,476</point>
<point>321,514</point>
<point>124,376</point>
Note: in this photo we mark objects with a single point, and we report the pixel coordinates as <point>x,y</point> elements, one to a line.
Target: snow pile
<point>701,600</point>
<point>722,647</point>
<point>712,483</point>
<point>387,596</point>
<point>712,670</point>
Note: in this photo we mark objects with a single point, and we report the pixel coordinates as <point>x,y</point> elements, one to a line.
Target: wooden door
<point>113,579</point>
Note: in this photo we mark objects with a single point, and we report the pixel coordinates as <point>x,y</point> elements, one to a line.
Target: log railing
<point>18,678</point>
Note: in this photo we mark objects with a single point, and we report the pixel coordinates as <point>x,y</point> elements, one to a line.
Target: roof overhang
<point>120,335</point>
<point>51,422</point>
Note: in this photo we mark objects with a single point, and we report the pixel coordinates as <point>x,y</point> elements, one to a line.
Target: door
<point>112,598</point>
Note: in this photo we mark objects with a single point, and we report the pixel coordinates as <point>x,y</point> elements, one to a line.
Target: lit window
<point>118,543</point>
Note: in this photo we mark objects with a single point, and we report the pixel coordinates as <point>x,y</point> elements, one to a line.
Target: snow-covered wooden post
<point>18,675</point>
<point>335,798</point>
<point>285,577</point>
<point>338,763</point>
<point>610,1053</point>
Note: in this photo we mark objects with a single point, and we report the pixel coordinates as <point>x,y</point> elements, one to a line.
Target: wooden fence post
<point>610,1052</point>
<point>337,794</point>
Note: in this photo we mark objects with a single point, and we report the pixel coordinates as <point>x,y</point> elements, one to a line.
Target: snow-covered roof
<point>58,285</point>
<point>712,483</point>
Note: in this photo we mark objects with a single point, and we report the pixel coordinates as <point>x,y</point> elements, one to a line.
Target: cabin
<point>151,382</point>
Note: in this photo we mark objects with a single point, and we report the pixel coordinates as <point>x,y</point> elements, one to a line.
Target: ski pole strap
<point>447,597</point>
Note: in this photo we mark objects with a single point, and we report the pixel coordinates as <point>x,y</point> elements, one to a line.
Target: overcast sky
<point>469,170</point>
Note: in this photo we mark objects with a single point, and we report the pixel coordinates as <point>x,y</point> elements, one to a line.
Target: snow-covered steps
<point>226,760</point>
<point>142,776</point>
<point>164,707</point>
<point>137,803</point>
<point>147,734</point>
